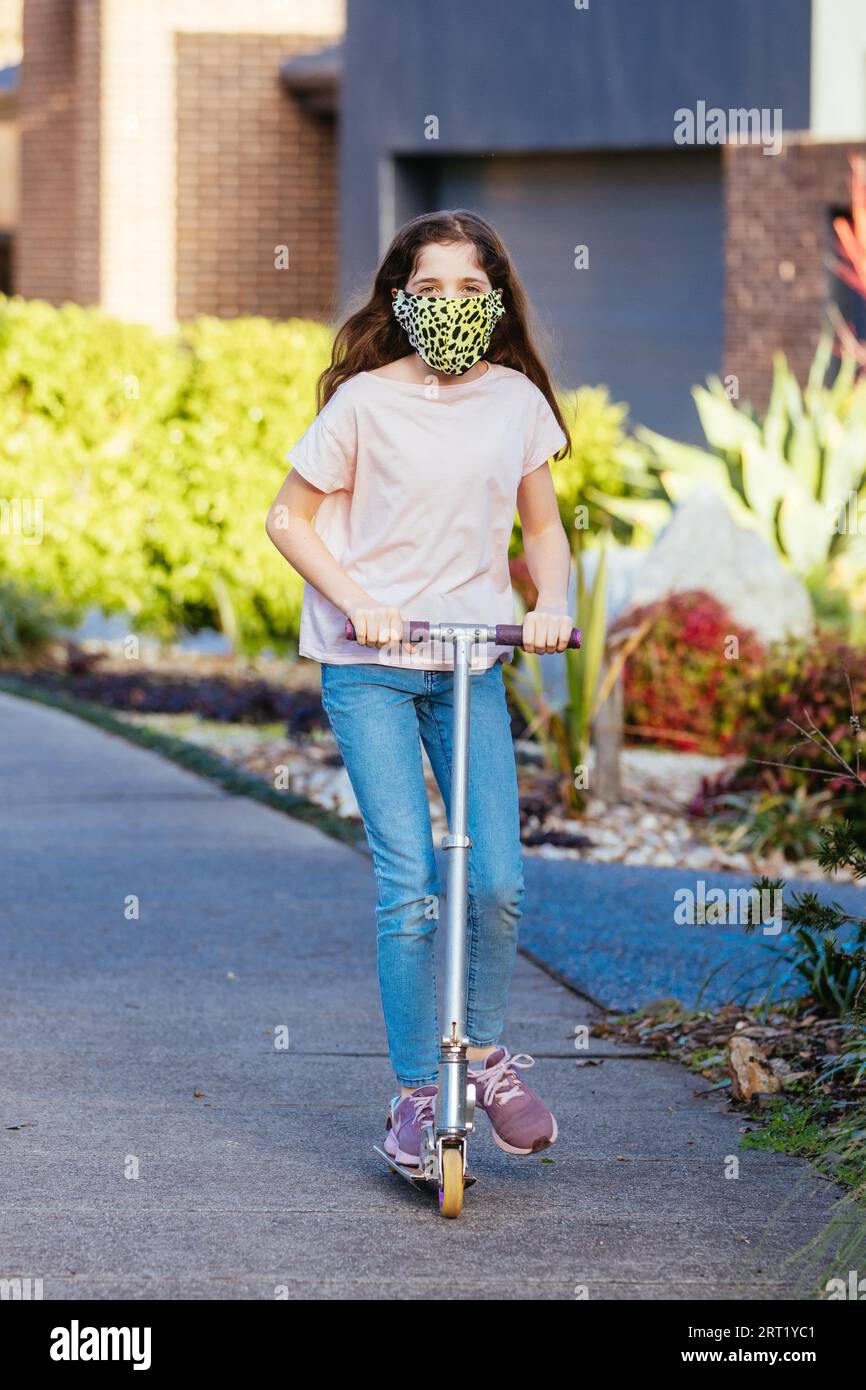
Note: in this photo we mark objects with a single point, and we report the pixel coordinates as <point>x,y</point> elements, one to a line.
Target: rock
<point>664,859</point>
<point>739,863</point>
<point>750,1071</point>
<point>738,568</point>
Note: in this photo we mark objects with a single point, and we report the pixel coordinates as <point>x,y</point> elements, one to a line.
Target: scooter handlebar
<point>507,634</point>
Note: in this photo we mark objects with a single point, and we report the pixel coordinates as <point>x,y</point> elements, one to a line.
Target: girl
<point>412,470</point>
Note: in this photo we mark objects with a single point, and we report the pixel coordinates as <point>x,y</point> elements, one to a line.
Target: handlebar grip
<point>511,635</point>
<point>412,631</point>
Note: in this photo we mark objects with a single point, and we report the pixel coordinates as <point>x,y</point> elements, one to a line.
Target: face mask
<point>450,335</point>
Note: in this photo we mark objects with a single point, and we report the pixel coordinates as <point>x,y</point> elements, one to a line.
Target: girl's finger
<point>393,626</point>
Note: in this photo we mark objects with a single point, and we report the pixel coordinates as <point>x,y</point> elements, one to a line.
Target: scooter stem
<point>451,1108</point>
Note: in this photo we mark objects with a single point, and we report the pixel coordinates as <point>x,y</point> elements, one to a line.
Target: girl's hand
<point>545,631</point>
<point>378,627</point>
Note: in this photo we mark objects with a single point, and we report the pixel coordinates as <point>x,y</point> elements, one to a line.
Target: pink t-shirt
<point>421,482</point>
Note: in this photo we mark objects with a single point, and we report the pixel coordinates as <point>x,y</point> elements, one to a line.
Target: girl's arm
<point>548,558</point>
<point>289,526</point>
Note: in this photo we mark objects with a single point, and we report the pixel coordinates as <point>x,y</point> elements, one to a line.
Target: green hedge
<point>154,459</point>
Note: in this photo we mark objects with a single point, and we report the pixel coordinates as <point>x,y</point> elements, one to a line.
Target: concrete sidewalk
<point>250,921</point>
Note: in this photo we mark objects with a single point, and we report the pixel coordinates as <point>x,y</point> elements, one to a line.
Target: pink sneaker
<point>521,1122</point>
<point>406,1119</point>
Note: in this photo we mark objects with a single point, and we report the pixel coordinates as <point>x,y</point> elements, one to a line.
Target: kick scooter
<point>442,1164</point>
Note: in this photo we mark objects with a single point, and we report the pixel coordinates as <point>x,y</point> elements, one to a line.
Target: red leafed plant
<point>801,687</point>
<point>685,684</point>
<point>851,265</point>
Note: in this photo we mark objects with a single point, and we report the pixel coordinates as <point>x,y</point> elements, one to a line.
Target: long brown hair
<point>371,336</point>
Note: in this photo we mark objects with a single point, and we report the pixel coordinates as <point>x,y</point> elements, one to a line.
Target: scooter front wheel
<point>451,1181</point>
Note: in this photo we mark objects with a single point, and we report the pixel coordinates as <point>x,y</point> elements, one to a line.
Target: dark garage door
<point>646,318</point>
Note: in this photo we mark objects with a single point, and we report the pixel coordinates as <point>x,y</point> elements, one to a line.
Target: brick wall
<point>88,135</point>
<point>254,172</point>
<point>46,264</point>
<point>778,280</point>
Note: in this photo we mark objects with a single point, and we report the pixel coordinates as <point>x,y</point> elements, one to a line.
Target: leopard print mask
<point>450,334</point>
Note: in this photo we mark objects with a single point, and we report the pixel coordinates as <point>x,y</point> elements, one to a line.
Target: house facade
<point>653,257</point>
<point>665,176</point>
<point>166,168</point>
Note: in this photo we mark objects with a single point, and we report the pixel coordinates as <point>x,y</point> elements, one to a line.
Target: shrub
<point>834,971</point>
<point>681,690</point>
<point>789,821</point>
<point>27,621</point>
<point>154,459</point>
<point>807,683</point>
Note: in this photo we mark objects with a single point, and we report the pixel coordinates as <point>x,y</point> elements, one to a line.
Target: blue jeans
<point>380,715</point>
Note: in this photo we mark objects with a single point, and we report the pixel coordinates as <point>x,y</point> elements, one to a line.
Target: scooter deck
<point>412,1176</point>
